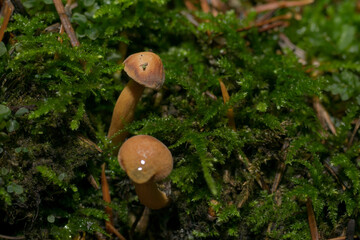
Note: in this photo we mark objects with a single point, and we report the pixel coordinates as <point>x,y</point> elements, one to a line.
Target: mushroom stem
<point>150,195</point>
<point>124,110</point>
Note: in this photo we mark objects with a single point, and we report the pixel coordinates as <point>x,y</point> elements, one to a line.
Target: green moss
<point>56,99</point>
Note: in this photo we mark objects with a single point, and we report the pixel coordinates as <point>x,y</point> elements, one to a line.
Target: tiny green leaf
<point>10,189</point>
<point>51,218</point>
<point>62,176</point>
<point>18,189</point>
<point>18,149</point>
<point>88,3</point>
<point>2,49</point>
<point>4,171</point>
<point>261,107</point>
<point>79,18</point>
<point>12,125</point>
<point>4,112</point>
<point>21,112</point>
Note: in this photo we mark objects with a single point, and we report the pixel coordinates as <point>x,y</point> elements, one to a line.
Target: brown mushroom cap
<point>144,158</point>
<point>146,69</point>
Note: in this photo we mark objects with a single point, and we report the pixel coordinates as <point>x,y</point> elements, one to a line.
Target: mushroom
<point>145,70</point>
<point>146,161</point>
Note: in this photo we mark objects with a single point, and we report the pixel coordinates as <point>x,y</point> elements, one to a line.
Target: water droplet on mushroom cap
<point>146,69</point>
<point>144,157</point>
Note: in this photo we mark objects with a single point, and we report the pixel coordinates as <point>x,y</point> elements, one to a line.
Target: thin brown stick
<point>89,142</point>
<point>190,6</point>
<point>205,6</point>
<point>210,95</point>
<point>274,25</point>
<point>115,231</point>
<point>357,125</point>
<point>11,238</point>
<point>143,223</point>
<point>280,168</point>
<point>323,115</point>
<point>285,42</point>
<point>65,21</point>
<point>230,111</point>
<point>281,4</point>
<point>106,197</point>
<point>245,193</point>
<point>6,11</point>
<point>312,221</point>
<point>332,172</point>
<point>67,7</point>
<point>341,238</point>
<point>253,171</point>
<point>206,9</point>
<point>267,21</point>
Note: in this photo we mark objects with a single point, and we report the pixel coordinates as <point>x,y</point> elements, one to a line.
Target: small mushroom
<point>146,161</point>
<point>145,70</point>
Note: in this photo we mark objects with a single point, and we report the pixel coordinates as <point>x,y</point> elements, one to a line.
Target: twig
<point>91,143</point>
<point>205,6</point>
<point>230,111</point>
<point>285,42</point>
<point>341,238</point>
<point>281,4</point>
<point>115,231</point>
<point>210,95</point>
<point>312,221</point>
<point>12,238</point>
<point>106,197</point>
<point>6,11</point>
<point>350,231</point>
<point>323,115</point>
<point>245,193</point>
<point>281,168</point>
<point>357,125</point>
<point>252,171</point>
<point>65,21</point>
<point>278,200</point>
<point>267,21</point>
<point>274,25</point>
<point>219,5</point>
<point>190,6</point>
<point>332,172</point>
<point>92,181</point>
<point>68,8</point>
<point>143,223</point>
<point>190,18</point>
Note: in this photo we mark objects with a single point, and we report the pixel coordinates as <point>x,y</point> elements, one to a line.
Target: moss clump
<point>252,183</point>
